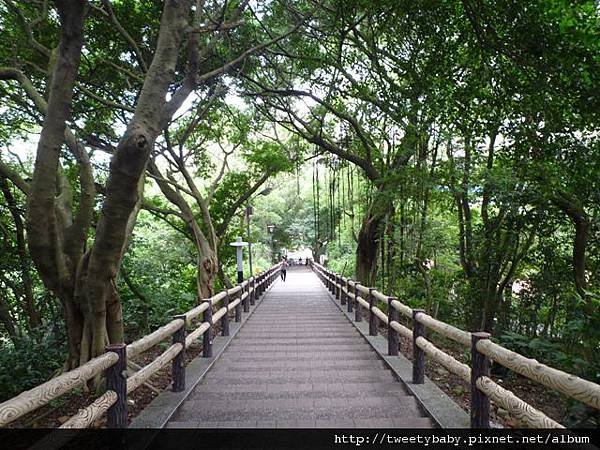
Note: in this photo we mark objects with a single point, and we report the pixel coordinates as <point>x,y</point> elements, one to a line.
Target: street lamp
<point>239,245</point>
<point>249,212</point>
<point>271,229</point>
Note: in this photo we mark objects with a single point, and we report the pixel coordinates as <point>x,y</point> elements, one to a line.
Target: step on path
<point>298,363</point>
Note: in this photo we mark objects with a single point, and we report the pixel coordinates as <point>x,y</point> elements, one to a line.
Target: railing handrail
<point>482,347</point>
<point>25,402</point>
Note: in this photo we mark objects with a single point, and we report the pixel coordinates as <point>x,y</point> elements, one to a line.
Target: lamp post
<point>271,229</point>
<point>239,245</point>
<point>249,212</point>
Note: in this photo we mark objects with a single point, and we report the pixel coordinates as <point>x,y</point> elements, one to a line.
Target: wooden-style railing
<point>483,351</point>
<point>113,363</point>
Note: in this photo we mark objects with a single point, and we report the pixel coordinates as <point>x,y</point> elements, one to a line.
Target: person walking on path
<point>284,266</point>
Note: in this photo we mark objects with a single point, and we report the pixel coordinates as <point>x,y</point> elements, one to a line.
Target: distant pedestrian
<point>284,266</point>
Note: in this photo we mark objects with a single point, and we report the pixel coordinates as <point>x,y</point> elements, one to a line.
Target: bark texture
<point>53,238</point>
<point>123,188</point>
<point>369,237</point>
<point>83,276</point>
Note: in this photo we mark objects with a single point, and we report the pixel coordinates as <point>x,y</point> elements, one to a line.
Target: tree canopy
<point>447,152</point>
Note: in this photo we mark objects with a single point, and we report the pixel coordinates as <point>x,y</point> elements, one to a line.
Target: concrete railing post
<point>238,307</point>
<point>357,306</point>
<point>392,333</point>
<point>418,354</point>
<point>480,403</point>
<point>225,318</point>
<point>349,299</point>
<point>207,336</point>
<point>247,299</point>
<point>253,293</point>
<point>116,380</point>
<point>373,321</point>
<point>178,363</point>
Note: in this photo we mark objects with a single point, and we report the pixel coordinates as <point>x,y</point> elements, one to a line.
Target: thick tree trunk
<point>49,216</point>
<point>481,295</point>
<point>366,250</point>
<point>494,300</point>
<point>208,268</point>
<point>369,238</point>
<point>85,281</point>
<point>75,321</point>
<point>44,215</point>
<point>123,187</point>
<point>573,208</point>
<point>582,226</point>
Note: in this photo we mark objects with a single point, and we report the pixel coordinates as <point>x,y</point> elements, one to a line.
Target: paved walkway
<point>298,362</point>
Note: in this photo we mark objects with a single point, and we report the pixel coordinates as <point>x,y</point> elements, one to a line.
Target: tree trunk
<point>8,321</point>
<point>208,270</point>
<point>29,302</point>
<point>504,311</point>
<point>582,226</point>
<point>85,280</point>
<point>49,217</point>
<point>424,271</point>
<point>370,237</point>
<point>225,281</point>
<point>124,185</point>
<point>366,250</point>
<point>480,295</point>
<point>74,320</point>
<point>207,263</point>
<point>573,208</point>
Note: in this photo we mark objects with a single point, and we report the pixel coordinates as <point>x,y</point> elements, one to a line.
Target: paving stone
<point>174,424</point>
<point>287,364</point>
<point>237,424</point>
<point>373,423</point>
<point>335,423</point>
<point>298,363</point>
<point>290,393</point>
<point>330,402</point>
<point>358,412</point>
<point>412,422</point>
<point>290,387</point>
<point>373,387</point>
<point>295,424</point>
<point>266,424</point>
<point>242,356</point>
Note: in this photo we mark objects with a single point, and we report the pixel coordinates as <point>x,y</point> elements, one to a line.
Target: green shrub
<point>34,360</point>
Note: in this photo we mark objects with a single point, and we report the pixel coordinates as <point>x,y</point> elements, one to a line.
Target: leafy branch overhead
<point>446,152</point>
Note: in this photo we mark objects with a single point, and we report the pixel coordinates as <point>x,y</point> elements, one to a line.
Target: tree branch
<point>222,227</point>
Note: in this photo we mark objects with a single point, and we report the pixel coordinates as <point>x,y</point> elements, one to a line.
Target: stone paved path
<point>298,362</point>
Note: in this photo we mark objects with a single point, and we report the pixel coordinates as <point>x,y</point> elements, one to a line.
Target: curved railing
<point>113,363</point>
<point>483,351</point>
